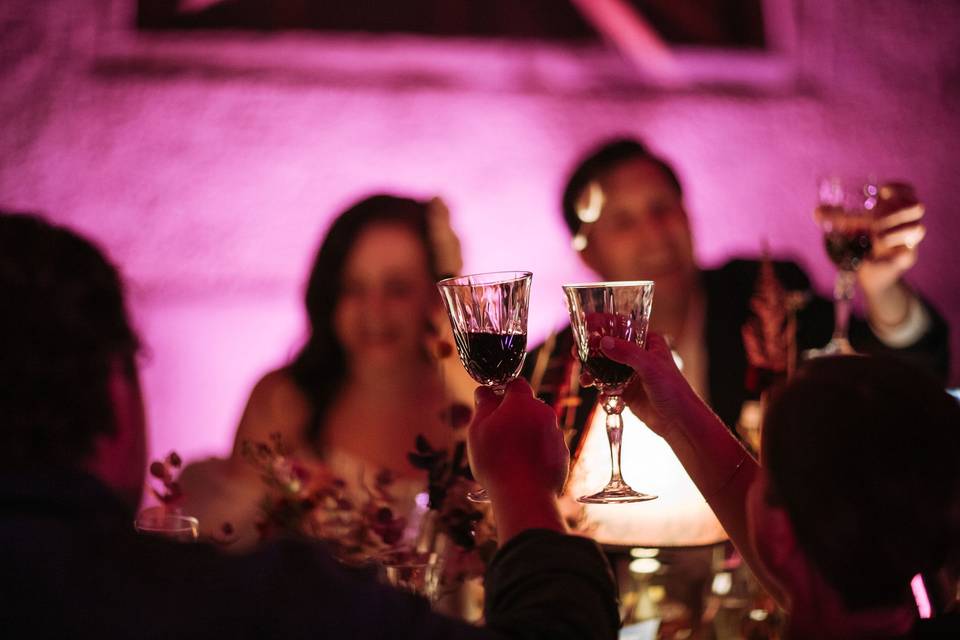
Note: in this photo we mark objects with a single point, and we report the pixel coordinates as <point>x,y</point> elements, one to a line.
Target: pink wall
<point>209,168</point>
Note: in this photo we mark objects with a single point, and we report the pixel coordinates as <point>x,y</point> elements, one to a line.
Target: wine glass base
<point>836,347</point>
<point>618,495</point>
<point>480,495</point>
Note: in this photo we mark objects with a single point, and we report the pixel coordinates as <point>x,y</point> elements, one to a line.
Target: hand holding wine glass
<point>515,440</point>
<point>659,394</point>
<point>871,234</point>
<point>898,232</point>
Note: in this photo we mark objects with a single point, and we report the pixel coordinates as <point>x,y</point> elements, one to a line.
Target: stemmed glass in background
<point>413,571</point>
<point>621,310</point>
<point>845,213</point>
<point>488,314</point>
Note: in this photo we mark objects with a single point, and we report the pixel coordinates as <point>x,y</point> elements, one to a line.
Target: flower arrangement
<point>769,335</point>
<point>312,502</point>
<point>168,493</point>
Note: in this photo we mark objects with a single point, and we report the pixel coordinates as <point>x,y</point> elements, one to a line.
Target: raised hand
<point>898,231</point>
<point>515,443</point>
<point>659,395</point>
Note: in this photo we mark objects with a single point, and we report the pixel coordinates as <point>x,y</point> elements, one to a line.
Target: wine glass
<point>159,521</point>
<point>845,213</point>
<point>621,310</point>
<point>413,571</point>
<point>488,313</point>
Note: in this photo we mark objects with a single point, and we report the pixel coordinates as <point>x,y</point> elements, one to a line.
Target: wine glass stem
<point>613,405</point>
<point>842,298</point>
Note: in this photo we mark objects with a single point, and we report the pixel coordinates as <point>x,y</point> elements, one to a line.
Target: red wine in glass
<point>605,372</point>
<point>847,249</point>
<point>492,359</point>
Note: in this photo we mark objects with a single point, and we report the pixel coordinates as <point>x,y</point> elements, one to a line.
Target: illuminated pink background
<point>209,168</point>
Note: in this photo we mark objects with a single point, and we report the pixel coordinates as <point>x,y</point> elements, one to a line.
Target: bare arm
<point>898,232</point>
<point>518,453</point>
<point>276,405</point>
<point>717,463</point>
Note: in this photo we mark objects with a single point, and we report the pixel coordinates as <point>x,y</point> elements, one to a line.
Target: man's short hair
<point>864,456</point>
<point>62,329</point>
<point>599,161</point>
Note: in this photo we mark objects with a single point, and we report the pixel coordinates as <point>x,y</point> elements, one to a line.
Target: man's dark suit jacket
<point>728,293</point>
<point>71,566</point>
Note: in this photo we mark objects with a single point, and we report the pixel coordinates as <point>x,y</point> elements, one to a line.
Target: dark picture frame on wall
<point>584,47</point>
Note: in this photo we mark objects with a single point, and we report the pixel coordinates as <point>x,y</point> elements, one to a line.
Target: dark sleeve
<point>815,326</point>
<point>930,352</point>
<point>306,594</point>
<point>544,584</point>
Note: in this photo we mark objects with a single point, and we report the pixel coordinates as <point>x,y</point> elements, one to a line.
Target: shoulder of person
<point>278,388</point>
<point>277,403</point>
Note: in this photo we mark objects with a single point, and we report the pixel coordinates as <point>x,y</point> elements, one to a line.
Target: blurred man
<point>625,211</point>
<point>72,435</point>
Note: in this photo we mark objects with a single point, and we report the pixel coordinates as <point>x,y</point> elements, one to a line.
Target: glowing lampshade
<point>679,517</point>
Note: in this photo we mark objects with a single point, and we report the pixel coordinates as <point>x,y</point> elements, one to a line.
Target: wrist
<point>889,307</point>
<point>518,507</point>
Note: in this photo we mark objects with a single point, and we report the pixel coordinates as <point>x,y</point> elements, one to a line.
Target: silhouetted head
<point>68,379</point>
<point>862,455</point>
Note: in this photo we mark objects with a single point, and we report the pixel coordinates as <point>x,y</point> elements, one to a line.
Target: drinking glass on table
<point>621,310</point>
<point>845,213</point>
<point>159,521</point>
<point>488,314</point>
<point>413,571</point>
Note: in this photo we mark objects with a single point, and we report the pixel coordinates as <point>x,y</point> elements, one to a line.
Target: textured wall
<point>209,168</point>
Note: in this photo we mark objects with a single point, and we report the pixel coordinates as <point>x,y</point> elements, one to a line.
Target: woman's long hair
<point>321,366</point>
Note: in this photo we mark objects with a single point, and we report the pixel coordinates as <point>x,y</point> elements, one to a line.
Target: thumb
<point>517,394</point>
<point>518,387</point>
<point>624,351</point>
<point>486,403</point>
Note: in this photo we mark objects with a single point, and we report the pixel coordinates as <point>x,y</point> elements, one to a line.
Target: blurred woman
<point>365,383</point>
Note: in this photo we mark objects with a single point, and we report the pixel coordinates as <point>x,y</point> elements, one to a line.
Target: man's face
<point>643,232</point>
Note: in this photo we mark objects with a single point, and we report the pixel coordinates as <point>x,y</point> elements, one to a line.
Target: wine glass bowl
<point>621,310</point>
<point>488,315</point>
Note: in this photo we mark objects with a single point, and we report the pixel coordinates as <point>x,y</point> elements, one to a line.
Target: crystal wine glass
<point>488,313</point>
<point>845,213</point>
<point>621,310</point>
